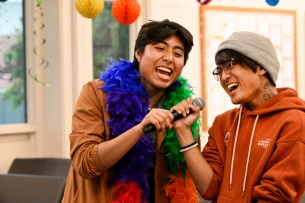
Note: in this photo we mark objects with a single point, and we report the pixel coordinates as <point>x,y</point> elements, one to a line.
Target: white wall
<point>68,49</point>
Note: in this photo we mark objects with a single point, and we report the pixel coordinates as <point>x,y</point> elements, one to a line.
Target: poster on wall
<point>218,23</point>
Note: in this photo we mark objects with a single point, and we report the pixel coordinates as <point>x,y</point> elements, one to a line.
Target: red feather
<point>128,193</point>
<point>180,190</point>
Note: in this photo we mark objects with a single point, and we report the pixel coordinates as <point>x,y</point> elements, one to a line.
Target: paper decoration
<point>204,1</point>
<point>89,8</point>
<point>39,1</point>
<point>126,11</point>
<point>272,2</point>
<point>43,64</point>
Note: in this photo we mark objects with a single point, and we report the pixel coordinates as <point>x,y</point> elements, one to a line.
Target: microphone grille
<point>199,102</point>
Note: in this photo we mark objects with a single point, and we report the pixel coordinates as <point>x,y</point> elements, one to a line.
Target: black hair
<point>227,54</point>
<point>156,31</point>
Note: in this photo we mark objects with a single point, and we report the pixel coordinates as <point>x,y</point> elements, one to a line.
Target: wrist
<point>183,132</point>
<point>188,147</point>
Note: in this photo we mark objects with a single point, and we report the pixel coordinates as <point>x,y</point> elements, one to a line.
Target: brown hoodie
<point>259,156</point>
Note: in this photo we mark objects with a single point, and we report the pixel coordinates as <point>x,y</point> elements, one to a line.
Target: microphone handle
<point>151,128</point>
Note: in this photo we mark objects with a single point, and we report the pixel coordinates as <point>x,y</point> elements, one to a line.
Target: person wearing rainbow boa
<point>113,160</point>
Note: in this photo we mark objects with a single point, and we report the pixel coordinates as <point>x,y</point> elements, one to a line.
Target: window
<point>12,63</point>
<point>110,39</point>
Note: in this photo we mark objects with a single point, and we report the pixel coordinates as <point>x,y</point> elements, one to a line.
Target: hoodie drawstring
<point>248,158</point>
<point>249,151</point>
<point>235,141</point>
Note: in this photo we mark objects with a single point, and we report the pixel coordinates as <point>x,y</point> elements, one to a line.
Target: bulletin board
<point>218,23</point>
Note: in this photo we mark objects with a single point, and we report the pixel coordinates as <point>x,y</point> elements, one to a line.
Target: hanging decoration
<point>89,8</point>
<point>39,1</point>
<point>272,2</point>
<point>204,1</point>
<point>43,62</point>
<point>126,11</point>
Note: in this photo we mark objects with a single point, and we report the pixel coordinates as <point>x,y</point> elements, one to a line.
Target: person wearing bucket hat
<point>255,152</point>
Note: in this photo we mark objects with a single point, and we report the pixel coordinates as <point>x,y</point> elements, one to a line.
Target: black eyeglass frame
<point>217,75</point>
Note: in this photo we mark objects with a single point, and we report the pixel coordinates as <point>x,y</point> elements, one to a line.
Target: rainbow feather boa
<point>127,105</point>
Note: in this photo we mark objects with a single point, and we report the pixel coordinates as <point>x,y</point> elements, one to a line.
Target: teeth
<point>164,69</point>
<point>232,85</point>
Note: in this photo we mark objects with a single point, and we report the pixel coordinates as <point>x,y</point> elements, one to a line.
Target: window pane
<point>110,39</point>
<point>12,63</point>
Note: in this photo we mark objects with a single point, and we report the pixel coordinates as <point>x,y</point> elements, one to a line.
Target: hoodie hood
<point>286,98</point>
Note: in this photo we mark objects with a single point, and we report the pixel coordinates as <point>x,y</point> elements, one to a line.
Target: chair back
<point>31,188</point>
<point>41,166</point>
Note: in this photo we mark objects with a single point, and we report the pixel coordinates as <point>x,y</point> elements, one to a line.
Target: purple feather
<point>127,105</point>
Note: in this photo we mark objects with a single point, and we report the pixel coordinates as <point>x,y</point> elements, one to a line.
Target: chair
<point>15,188</point>
<point>34,180</point>
<point>41,166</point>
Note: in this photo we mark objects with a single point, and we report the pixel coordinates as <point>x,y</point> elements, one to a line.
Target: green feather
<point>175,159</point>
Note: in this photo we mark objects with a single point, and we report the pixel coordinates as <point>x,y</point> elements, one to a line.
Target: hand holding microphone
<point>196,102</point>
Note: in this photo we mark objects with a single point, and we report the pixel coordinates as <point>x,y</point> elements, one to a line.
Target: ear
<point>261,70</point>
<point>138,55</point>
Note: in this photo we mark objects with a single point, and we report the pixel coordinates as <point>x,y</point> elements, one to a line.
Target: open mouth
<point>232,87</point>
<point>164,71</point>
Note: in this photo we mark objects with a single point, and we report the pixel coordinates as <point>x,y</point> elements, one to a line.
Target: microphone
<point>196,102</point>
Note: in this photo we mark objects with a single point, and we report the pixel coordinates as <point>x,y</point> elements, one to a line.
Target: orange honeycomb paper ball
<point>126,11</point>
<point>89,8</point>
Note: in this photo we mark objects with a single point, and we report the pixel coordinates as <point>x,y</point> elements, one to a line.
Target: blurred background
<point>50,48</point>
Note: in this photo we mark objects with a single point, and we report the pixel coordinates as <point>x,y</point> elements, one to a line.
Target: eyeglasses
<point>226,67</point>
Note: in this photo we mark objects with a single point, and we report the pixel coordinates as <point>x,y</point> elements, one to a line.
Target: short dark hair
<point>227,54</point>
<point>156,31</point>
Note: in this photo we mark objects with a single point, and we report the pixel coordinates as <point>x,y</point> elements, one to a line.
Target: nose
<point>168,57</point>
<point>225,75</point>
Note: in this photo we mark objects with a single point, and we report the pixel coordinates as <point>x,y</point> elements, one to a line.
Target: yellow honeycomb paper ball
<point>89,8</point>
